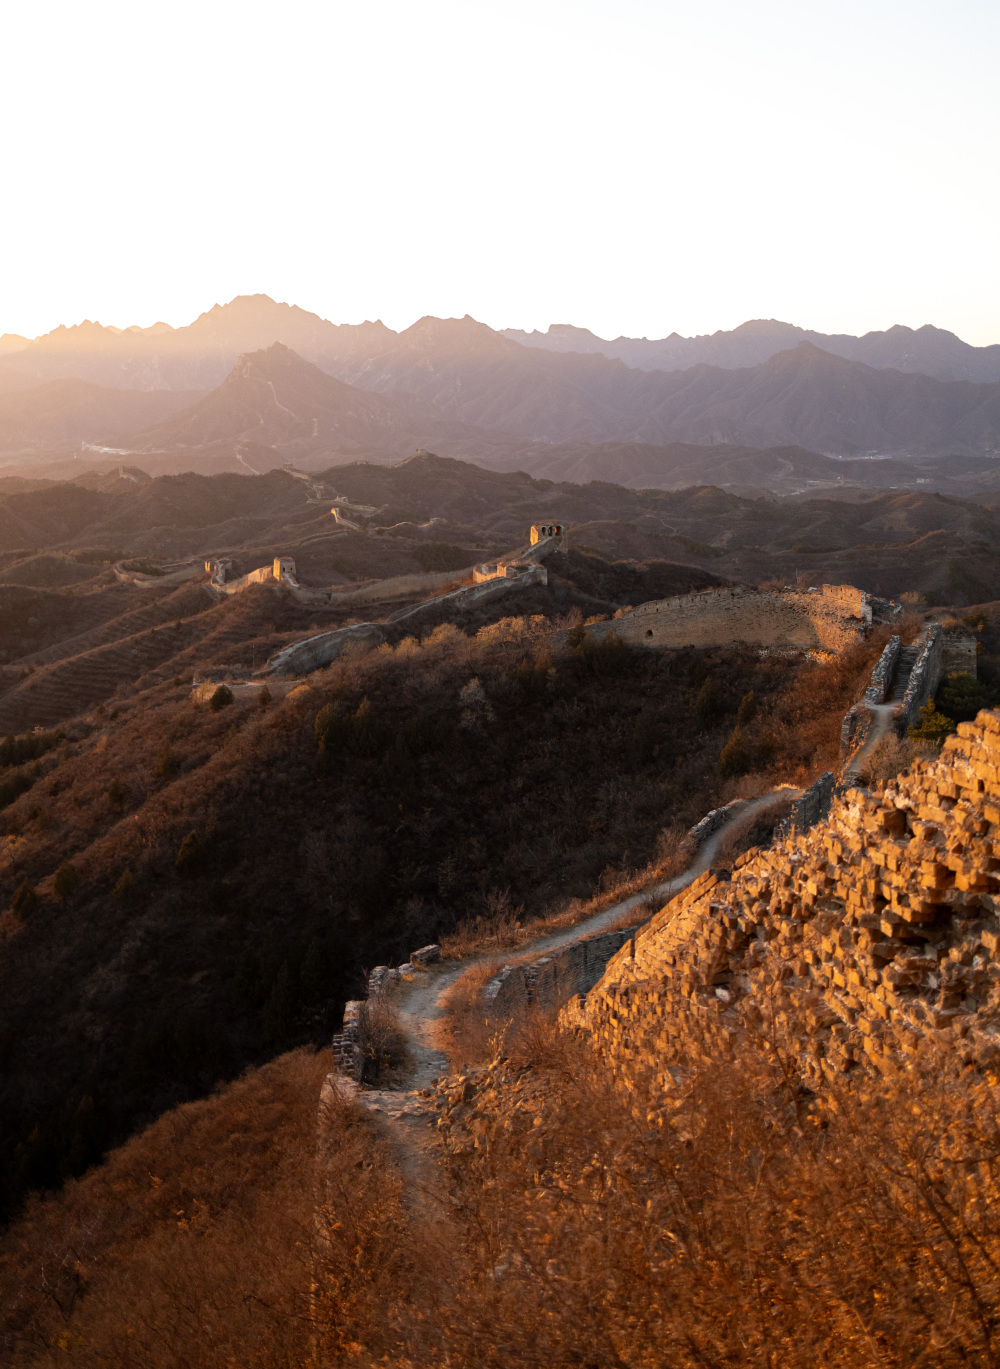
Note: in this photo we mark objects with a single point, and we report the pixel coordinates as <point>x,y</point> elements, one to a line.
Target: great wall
<point>859,937</point>
<point>868,919</point>
<point>828,618</point>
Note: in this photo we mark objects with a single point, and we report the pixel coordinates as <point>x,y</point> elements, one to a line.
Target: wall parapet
<point>812,807</point>
<point>312,652</point>
<point>925,675</point>
<point>885,669</point>
<point>554,977</point>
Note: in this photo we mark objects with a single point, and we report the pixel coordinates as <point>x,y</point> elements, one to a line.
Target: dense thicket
<point>749,1223</point>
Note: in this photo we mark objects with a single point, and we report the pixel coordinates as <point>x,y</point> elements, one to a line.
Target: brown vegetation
<point>192,1244</point>
<point>760,1225</point>
<point>276,860</point>
<point>753,1224</point>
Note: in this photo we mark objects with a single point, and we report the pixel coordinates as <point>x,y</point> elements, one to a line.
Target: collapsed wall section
<point>855,941</point>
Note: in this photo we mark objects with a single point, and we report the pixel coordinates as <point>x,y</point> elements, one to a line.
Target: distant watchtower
<point>557,531</point>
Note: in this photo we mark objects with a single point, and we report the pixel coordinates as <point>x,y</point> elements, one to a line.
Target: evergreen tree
<point>747,710</point>
<point>66,881</point>
<point>734,758</point>
<point>933,726</point>
<point>708,704</point>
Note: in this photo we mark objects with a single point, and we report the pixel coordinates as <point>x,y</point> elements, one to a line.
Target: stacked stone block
<point>854,941</point>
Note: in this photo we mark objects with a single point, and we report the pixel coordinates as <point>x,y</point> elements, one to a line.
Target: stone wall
<point>959,654</point>
<point>830,619</point>
<point>397,587</point>
<point>312,652</point>
<point>885,669</point>
<point>925,675</point>
<point>712,821</point>
<point>172,575</point>
<point>812,807</point>
<point>473,594</point>
<point>851,942</point>
<point>554,977</point>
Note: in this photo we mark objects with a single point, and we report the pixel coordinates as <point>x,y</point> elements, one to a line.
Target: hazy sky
<point>636,166</point>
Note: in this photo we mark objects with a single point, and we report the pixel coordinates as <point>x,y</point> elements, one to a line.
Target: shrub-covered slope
<point>231,874</point>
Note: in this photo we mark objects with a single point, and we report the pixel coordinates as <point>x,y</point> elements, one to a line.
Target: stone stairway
<point>901,676</point>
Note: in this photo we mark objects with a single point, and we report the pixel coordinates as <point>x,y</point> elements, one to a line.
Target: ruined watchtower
<point>557,531</point>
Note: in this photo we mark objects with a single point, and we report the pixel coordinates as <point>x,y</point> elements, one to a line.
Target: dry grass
<point>485,934</point>
<point>463,1031</point>
<point>752,1224</point>
<point>888,758</point>
<point>191,1245</point>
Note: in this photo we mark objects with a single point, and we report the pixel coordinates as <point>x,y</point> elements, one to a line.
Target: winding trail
<point>420,1003</point>
<point>882,714</point>
<point>408,1118</point>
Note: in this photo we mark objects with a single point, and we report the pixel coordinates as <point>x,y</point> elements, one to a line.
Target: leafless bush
<point>496,927</point>
<point>192,1244</point>
<point>381,1039</point>
<point>756,829</point>
<point>747,1222</point>
<point>888,757</point>
<point>464,1031</point>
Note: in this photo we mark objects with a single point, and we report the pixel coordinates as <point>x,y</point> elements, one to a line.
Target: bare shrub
<point>381,1040</point>
<point>755,829</point>
<point>889,756</point>
<point>464,1033</point>
<point>738,1220</point>
<point>674,850</point>
<point>190,1245</point>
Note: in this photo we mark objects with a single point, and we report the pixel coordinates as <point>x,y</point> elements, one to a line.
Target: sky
<point>636,167</point>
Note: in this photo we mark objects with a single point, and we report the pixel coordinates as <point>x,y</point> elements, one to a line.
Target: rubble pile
<point>471,1105</point>
<point>855,940</point>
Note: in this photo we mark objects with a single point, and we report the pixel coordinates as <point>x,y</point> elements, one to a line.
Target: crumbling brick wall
<point>857,939</point>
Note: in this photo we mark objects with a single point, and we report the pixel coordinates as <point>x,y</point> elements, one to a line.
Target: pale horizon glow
<point>636,168</point>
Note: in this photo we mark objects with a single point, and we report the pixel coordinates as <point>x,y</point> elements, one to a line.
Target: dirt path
<point>882,714</point>
<point>420,1003</point>
<point>409,1120</point>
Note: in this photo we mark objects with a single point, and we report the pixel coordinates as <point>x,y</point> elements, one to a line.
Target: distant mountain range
<point>275,399</point>
<point>927,350</point>
<point>200,355</point>
<point>285,382</point>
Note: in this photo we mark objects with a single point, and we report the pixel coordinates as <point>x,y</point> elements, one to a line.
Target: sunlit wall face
<point>635,166</point>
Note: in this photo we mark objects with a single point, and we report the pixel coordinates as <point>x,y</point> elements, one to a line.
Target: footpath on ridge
<point>420,1004</point>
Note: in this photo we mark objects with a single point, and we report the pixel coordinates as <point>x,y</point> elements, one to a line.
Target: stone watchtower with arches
<point>550,529</point>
